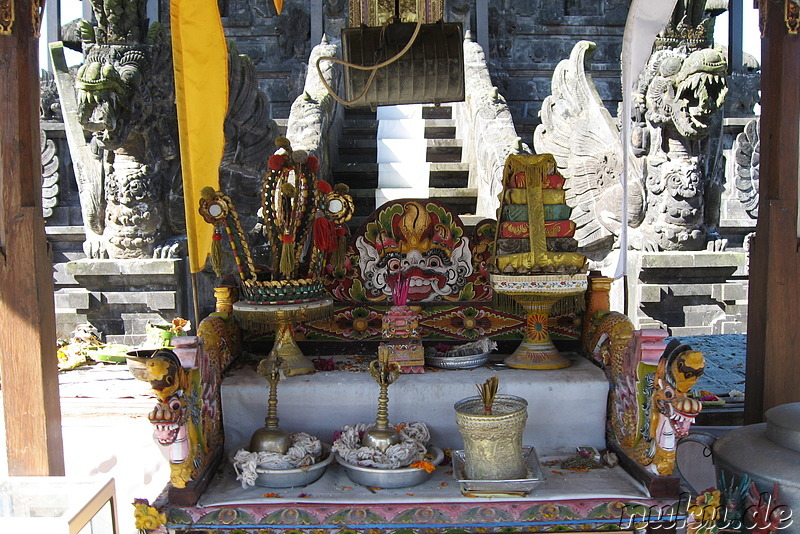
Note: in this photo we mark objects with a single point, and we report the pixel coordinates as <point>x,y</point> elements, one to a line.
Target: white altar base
<point>336,488</point>
<point>566,407</point>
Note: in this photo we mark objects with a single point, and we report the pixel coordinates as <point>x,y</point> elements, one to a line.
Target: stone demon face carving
<point>422,241</point>
<point>675,204</point>
<point>108,84</point>
<point>686,90</point>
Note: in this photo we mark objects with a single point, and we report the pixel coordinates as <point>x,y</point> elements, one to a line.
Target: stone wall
<point>119,297</point>
<point>526,40</point>
<point>279,45</point>
<point>692,292</point>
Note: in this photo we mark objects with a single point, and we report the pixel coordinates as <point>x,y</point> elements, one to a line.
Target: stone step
<point>365,175</point>
<point>437,112</point>
<point>440,129</point>
<point>358,150</point>
<point>359,113</point>
<point>65,233</point>
<point>64,214</point>
<point>281,124</point>
<point>359,128</point>
<point>722,291</point>
<point>367,128</point>
<point>428,112</point>
<point>460,200</point>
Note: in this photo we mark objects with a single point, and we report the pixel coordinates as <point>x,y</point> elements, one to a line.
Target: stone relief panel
<point>528,39</point>
<point>583,8</point>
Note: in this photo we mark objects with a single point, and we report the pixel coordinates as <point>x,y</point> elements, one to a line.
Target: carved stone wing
<point>747,151</point>
<point>50,175</point>
<point>580,132</point>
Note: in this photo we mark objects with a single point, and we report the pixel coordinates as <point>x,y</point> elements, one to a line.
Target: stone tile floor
<point>106,434</point>
<point>725,356</point>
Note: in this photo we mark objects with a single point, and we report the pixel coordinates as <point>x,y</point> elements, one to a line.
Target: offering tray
<point>391,478</point>
<point>471,361</point>
<point>517,487</point>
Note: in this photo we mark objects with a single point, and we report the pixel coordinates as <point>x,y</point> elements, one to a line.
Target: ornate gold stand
<point>382,436</point>
<point>537,294</point>
<point>270,437</point>
<point>280,320</point>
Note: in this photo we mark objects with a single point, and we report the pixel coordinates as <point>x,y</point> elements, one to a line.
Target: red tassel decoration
<point>324,234</point>
<point>216,251</point>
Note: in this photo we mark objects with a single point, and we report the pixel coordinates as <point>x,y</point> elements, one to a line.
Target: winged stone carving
<point>580,132</point>
<point>675,103</point>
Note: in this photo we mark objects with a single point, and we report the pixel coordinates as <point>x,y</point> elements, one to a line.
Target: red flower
<point>312,163</point>
<point>276,162</point>
<point>324,187</point>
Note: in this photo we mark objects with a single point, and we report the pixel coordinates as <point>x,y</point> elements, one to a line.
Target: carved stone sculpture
<point>133,207</point>
<point>50,175</point>
<point>126,101</point>
<point>580,132</point>
<point>675,103</point>
<point>747,153</point>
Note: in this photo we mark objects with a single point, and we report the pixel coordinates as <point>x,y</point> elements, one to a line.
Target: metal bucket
<point>432,71</point>
<point>768,454</point>
<point>493,443</point>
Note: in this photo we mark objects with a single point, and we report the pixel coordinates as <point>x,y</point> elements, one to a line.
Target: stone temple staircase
<point>358,167</point>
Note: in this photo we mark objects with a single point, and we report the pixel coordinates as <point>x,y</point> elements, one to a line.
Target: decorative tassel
<point>338,256</point>
<point>216,251</point>
<point>505,303</point>
<point>570,305</point>
<point>287,264</point>
<point>324,234</point>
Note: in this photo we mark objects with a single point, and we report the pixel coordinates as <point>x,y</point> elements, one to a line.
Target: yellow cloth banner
<point>200,62</point>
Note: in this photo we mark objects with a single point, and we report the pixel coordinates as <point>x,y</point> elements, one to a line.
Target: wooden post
<point>27,336</point>
<point>773,327</point>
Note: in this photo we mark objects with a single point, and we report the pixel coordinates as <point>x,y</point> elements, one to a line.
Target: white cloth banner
<point>646,18</point>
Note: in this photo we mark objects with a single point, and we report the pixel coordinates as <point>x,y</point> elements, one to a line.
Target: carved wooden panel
<point>6,16</point>
<point>376,12</point>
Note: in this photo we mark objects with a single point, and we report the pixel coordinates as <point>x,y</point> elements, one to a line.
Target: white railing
<point>486,128</point>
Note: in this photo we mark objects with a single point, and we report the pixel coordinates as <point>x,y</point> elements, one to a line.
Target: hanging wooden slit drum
<point>432,71</point>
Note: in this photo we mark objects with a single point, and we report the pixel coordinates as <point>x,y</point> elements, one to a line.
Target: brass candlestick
<point>270,438</point>
<point>382,436</point>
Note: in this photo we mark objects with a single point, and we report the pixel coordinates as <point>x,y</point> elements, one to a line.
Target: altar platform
<point>566,407</point>
<point>597,499</point>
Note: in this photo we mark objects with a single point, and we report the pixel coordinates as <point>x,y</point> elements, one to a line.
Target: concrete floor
<point>106,434</point>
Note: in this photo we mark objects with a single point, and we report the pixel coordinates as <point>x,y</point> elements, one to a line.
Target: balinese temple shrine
<point>432,252</point>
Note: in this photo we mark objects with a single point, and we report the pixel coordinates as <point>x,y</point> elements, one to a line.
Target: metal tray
<point>390,478</point>
<point>458,362</point>
<point>520,487</point>
<point>292,478</point>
